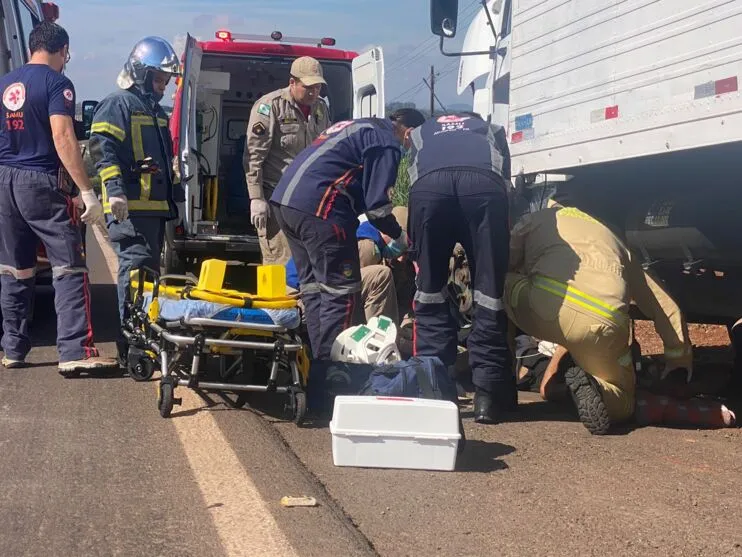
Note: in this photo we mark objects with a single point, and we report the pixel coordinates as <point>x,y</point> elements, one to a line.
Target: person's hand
<point>119,208</point>
<point>93,209</point>
<point>395,248</point>
<point>259,213</point>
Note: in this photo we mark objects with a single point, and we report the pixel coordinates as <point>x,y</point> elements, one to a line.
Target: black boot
<point>489,407</point>
<point>588,400</point>
<point>485,410</point>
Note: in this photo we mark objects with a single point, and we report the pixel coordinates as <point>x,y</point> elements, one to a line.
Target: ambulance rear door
<point>368,84</point>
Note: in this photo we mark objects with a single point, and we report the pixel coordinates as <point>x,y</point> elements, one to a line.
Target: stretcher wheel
<point>165,399</point>
<point>142,369</point>
<point>300,407</point>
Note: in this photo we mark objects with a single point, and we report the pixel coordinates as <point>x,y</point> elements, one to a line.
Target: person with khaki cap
<point>281,125</point>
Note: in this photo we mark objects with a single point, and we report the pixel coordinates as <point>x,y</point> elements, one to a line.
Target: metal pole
<point>432,90</point>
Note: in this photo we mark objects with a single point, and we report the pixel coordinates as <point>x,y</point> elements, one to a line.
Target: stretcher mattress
<point>174,310</point>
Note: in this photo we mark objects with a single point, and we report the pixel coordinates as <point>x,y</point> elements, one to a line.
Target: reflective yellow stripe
<point>139,205</point>
<point>107,127</point>
<point>110,172</point>
<point>145,180</point>
<point>574,212</point>
<point>579,298</point>
<point>161,122</point>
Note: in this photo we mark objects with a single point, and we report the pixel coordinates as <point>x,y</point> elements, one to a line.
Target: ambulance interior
<point>227,88</point>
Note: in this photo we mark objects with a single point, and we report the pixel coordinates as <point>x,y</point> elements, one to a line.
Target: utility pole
<point>432,90</point>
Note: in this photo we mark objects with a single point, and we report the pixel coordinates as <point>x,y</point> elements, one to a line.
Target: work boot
<point>489,407</point>
<point>71,368</point>
<point>586,395</point>
<point>13,364</point>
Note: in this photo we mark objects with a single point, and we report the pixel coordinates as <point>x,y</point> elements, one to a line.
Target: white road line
<point>245,525</point>
<point>112,262</point>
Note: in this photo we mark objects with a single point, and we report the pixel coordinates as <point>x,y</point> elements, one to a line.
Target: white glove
<point>395,248</point>
<point>93,209</point>
<point>119,208</point>
<point>259,213</point>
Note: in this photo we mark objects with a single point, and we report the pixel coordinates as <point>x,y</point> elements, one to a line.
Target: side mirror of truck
<point>443,17</point>
<point>88,108</point>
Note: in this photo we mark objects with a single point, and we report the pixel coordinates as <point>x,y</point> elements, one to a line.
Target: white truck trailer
<point>637,102</point>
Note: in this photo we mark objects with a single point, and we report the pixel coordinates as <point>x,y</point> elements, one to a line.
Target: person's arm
<point>380,167</point>
<point>61,114</point>
<point>68,150</point>
<point>108,145</point>
<point>669,322</point>
<point>260,130</point>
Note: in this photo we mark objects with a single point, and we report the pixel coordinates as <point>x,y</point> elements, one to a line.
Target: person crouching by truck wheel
<point>282,124</point>
<point>458,169</point>
<point>571,282</point>
<point>40,163</point>
<point>347,171</point>
<point>131,146</point>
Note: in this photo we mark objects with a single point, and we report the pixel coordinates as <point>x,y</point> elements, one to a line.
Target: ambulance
<point>222,79</point>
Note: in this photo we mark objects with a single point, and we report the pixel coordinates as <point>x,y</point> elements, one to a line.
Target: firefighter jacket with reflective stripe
<point>458,141</point>
<point>573,256</point>
<point>345,172</point>
<point>125,131</point>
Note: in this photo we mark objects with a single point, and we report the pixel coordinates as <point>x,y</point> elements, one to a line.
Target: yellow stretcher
<point>176,324</point>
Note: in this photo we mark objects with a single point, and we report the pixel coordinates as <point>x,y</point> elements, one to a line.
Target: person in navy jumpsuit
<point>459,165</point>
<point>345,172</point>
<point>41,175</point>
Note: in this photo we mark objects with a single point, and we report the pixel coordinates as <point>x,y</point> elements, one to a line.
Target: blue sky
<point>102,32</point>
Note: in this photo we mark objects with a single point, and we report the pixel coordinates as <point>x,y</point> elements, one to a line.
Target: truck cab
<point>221,81</point>
<point>638,106</point>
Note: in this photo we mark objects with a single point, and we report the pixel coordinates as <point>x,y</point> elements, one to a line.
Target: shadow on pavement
<point>482,456</point>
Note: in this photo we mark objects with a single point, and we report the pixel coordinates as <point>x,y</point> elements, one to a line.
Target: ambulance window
<point>368,103</point>
<point>506,19</point>
<point>27,22</point>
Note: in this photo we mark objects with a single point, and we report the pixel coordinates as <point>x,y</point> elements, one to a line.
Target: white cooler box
<point>394,432</point>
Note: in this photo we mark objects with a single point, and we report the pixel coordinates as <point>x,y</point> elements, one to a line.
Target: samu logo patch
<point>14,97</point>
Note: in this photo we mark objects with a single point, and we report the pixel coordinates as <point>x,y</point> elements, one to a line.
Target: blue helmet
<point>149,54</point>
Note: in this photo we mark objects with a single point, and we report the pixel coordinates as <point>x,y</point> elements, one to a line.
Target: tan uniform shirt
<point>276,133</point>
<point>570,246</point>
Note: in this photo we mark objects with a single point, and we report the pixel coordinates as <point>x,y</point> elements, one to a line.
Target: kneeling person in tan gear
<point>282,124</point>
<point>571,282</point>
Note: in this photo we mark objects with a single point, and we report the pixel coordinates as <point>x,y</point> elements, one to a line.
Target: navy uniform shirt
<point>31,95</point>
<point>458,141</point>
<point>345,172</point>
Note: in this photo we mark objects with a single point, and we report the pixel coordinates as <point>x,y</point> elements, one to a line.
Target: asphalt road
<point>88,467</point>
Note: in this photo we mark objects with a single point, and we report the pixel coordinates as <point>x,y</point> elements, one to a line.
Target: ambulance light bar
<point>277,36</point>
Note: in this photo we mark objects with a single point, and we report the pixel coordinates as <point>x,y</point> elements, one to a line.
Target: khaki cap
<point>308,70</point>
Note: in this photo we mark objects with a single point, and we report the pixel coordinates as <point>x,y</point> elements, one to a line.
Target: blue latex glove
<point>395,248</point>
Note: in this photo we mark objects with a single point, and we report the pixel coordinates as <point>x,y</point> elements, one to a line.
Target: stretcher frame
<point>155,343</point>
